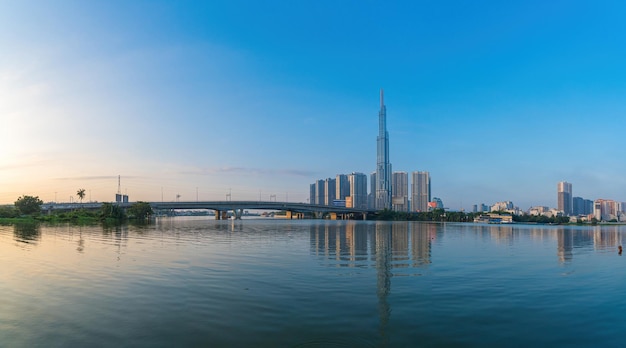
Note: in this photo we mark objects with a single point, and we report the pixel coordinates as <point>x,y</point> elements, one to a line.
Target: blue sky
<point>497,100</point>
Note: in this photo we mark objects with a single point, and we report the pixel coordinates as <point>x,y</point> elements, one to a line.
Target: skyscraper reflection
<point>421,236</point>
<point>565,244</point>
<point>383,274</point>
<point>357,244</point>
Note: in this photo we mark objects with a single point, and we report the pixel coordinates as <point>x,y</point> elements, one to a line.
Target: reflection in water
<point>421,236</point>
<point>275,283</point>
<point>27,232</point>
<point>607,238</point>
<point>120,236</point>
<point>383,275</point>
<point>352,243</point>
<point>565,244</point>
<point>386,246</point>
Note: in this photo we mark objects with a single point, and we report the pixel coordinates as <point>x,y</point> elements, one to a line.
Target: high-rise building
<point>606,209</point>
<point>581,206</point>
<point>320,194</point>
<point>312,194</point>
<point>342,187</point>
<point>564,197</point>
<point>400,189</point>
<point>329,190</point>
<point>358,190</point>
<point>371,197</point>
<point>438,203</point>
<point>383,166</point>
<point>420,191</point>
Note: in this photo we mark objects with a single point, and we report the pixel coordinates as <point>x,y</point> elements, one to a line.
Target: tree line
<point>459,216</point>
<point>30,207</point>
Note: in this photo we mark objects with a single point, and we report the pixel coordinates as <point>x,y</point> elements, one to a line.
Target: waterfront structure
<point>383,165</point>
<point>502,206</point>
<point>581,206</point>
<point>400,190</point>
<point>312,198</point>
<point>371,197</point>
<point>420,191</point>
<point>329,190</point>
<point>342,187</point>
<point>320,194</point>
<point>538,210</point>
<point>564,197</point>
<point>358,191</point>
<point>607,209</point>
<point>438,203</point>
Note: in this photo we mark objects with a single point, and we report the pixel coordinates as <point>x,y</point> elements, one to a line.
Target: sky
<point>498,100</point>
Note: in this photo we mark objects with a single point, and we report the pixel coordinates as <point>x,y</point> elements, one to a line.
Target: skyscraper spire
<point>383,166</point>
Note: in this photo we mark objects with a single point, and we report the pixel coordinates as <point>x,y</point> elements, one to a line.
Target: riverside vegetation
<point>28,208</point>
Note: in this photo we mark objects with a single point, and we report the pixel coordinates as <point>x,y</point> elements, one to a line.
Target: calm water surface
<point>310,283</point>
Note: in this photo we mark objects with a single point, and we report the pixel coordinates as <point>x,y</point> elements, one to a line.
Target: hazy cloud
<point>250,171</point>
<point>99,177</point>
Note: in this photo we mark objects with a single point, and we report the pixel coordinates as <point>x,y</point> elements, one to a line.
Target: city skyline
<point>247,100</point>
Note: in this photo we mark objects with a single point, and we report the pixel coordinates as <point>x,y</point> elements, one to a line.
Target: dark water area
<point>311,283</point>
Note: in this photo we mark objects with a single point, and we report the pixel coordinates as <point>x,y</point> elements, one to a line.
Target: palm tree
<point>81,194</point>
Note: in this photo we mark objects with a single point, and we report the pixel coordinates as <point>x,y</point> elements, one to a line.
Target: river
<point>311,283</point>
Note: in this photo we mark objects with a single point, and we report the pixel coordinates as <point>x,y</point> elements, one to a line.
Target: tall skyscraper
<point>400,189</point>
<point>329,190</point>
<point>342,187</point>
<point>320,194</point>
<point>312,197</point>
<point>358,190</point>
<point>564,197</point>
<point>383,166</point>
<point>371,197</point>
<point>420,191</point>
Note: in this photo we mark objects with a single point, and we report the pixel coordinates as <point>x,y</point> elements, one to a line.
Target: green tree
<point>140,210</point>
<point>8,212</point>
<point>112,211</point>
<point>81,194</point>
<point>29,205</point>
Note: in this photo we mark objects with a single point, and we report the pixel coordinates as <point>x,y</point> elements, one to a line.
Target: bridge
<point>221,208</point>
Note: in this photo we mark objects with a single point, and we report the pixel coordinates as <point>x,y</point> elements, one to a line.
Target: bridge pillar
<point>289,214</point>
<point>218,215</point>
<point>237,213</point>
<point>333,216</point>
